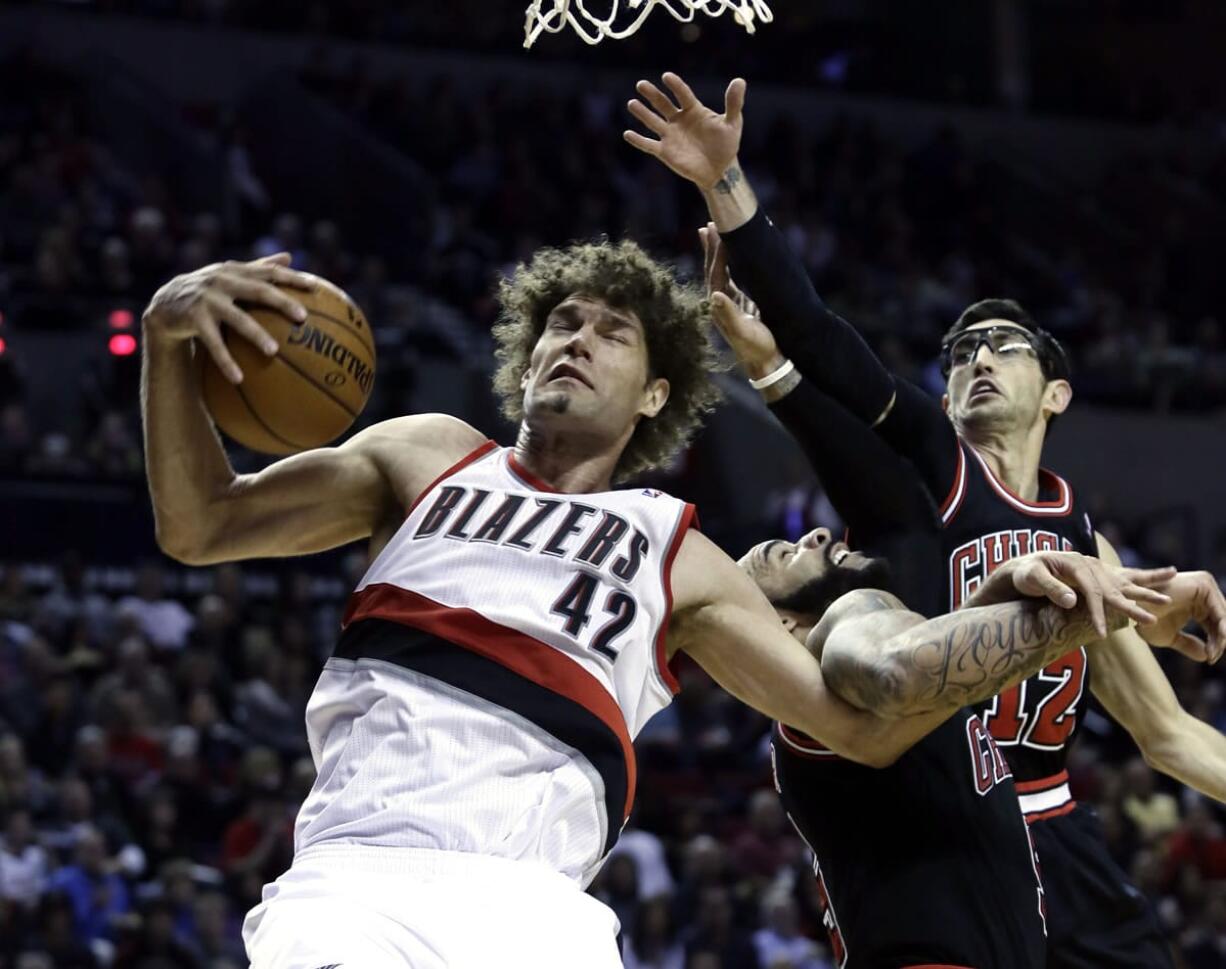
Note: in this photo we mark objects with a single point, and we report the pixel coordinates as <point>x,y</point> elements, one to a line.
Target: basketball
<point>307,394</point>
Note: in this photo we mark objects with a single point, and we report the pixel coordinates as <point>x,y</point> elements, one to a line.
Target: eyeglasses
<point>1005,342</point>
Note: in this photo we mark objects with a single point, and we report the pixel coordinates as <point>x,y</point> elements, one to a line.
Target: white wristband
<point>774,376</point>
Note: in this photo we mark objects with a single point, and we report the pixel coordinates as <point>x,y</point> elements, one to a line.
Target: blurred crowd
<point>898,238</point>
<point>152,753</point>
<point>152,758</point>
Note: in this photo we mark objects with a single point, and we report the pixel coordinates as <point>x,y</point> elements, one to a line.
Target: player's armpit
<point>723,621</point>
<point>325,497</point>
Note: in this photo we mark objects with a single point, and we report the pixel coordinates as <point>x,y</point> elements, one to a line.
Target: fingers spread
<point>681,91</point>
<point>1118,601</point>
<point>1150,577</point>
<point>649,118</point>
<point>244,324</point>
<point>734,99</point>
<point>657,98</point>
<point>210,336</point>
<point>1139,593</point>
<point>264,294</point>
<point>650,146</point>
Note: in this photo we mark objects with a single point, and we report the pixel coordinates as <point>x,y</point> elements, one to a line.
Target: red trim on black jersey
<point>527,477</point>
<point>803,745</point>
<point>1053,813</point>
<point>688,520</point>
<point>530,658</point>
<point>1058,508</point>
<point>464,462</point>
<point>1042,784</point>
<point>957,490</point>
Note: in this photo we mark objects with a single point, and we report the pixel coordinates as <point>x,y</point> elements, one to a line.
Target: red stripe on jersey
<point>527,476</point>
<point>689,519</point>
<point>1042,784</point>
<point>957,491</point>
<point>530,658</point>
<point>1053,813</point>
<point>804,745</point>
<point>464,462</point>
<point>1061,506</point>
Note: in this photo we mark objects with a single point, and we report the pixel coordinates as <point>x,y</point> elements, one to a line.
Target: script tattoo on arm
<point>963,658</point>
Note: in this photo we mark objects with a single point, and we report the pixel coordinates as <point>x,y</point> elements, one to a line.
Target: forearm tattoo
<point>971,656</point>
<point>731,177</point>
<point>963,658</point>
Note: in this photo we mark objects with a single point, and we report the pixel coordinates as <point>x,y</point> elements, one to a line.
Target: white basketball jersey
<point>497,660</point>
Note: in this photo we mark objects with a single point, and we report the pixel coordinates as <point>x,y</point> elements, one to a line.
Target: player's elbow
<point>865,678</point>
<point>180,547</point>
<point>188,546</point>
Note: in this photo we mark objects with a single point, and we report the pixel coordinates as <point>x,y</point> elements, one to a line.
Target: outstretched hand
<point>696,142</point>
<point>735,314</point>
<point>1192,597</point>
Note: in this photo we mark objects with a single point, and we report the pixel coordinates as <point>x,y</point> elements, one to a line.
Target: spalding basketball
<point>311,390</point>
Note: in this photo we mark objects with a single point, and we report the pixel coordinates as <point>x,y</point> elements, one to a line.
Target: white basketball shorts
<point>360,907</point>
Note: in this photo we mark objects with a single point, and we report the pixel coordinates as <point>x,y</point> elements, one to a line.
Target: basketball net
<point>594,29</point>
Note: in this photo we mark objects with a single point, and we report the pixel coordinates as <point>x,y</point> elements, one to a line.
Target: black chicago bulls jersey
<point>925,862</point>
<point>984,525</point>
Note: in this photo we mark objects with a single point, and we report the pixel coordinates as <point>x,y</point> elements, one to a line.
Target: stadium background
<point>152,754</point>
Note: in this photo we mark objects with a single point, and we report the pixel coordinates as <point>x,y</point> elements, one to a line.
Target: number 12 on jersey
<point>575,607</point>
<point>1041,711</point>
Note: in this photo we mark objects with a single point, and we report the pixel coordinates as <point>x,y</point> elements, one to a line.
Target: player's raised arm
<point>701,145</point>
<point>204,512</point>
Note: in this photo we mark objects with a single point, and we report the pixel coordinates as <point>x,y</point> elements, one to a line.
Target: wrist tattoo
<point>730,180</point>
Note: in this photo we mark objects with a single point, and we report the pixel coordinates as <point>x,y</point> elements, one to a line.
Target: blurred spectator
<point>1154,813</point>
<point>653,944</point>
<point>165,622</point>
<point>767,844</point>
<point>1206,945</point>
<point>97,893</point>
<point>258,841</point>
<point>714,931</point>
<point>650,859</point>
<point>156,944</point>
<point>779,942</point>
<point>23,863</point>
<point>618,888</point>
<point>136,674</point>
<point>1198,843</point>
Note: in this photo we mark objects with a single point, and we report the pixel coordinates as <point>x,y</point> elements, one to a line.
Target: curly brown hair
<point>674,319</point>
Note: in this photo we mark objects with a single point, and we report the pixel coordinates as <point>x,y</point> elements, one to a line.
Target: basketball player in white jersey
<point>472,731</point>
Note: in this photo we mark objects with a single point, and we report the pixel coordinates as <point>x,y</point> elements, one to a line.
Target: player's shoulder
<point>410,452</point>
<point>703,574</point>
<point>438,433</point>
